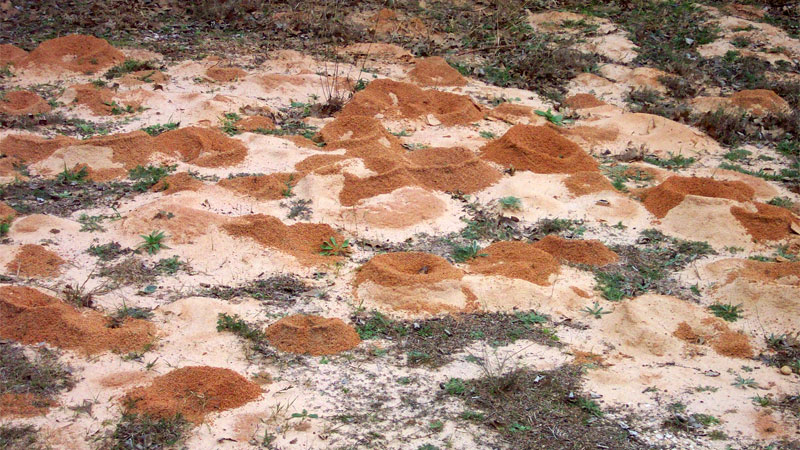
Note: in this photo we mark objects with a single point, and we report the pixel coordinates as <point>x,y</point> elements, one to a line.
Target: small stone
<point>786,370</point>
<point>433,121</point>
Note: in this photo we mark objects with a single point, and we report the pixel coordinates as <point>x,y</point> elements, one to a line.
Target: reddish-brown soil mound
<point>394,99</point>
<point>759,101</point>
<point>130,149</point>
<point>717,334</point>
<point>30,317</point>
<point>539,149</point>
<point>225,74</point>
<point>768,223</point>
<point>176,183</point>
<point>585,183</point>
<point>255,123</point>
<point>144,76</point>
<point>77,53</point>
<point>35,261</point>
<point>262,187</point>
<point>7,213</point>
<point>30,148</point>
<point>434,71</point>
<point>582,101</point>
<point>11,54</point>
<point>515,259</point>
<point>387,21</point>
<point>312,335</point>
<point>301,240</point>
<point>193,392</point>
<point>511,113</point>
<point>100,100</point>
<point>23,102</point>
<point>204,147</point>
<point>766,272</point>
<point>24,405</point>
<point>669,194</point>
<point>362,137</point>
<point>578,251</point>
<point>407,269</point>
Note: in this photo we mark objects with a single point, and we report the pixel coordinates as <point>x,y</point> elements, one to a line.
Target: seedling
<point>4,227</point>
<point>595,310</point>
<point>155,130</point>
<point>72,176</point>
<point>487,135</point>
<point>153,242</point>
<point>557,119</point>
<point>455,386</point>
<point>745,383</point>
<point>333,248</point>
<point>511,203</point>
<point>727,312</point>
<point>468,252</point>
<point>304,415</point>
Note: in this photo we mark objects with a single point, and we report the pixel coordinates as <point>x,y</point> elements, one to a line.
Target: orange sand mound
<point>24,405</point>
<point>7,213</point>
<point>225,74</point>
<point>767,272</point>
<point>669,194</point>
<point>407,269</point>
<point>176,183</point>
<point>32,149</point>
<point>35,261</point>
<point>18,103</point>
<point>143,77</point>
<point>759,101</point>
<point>715,332</point>
<point>511,113</point>
<point>584,183</point>
<point>361,136</point>
<point>386,21</point>
<point>11,54</point>
<point>515,259</point>
<point>31,317</point>
<point>130,149</point>
<point>578,251</point>
<point>254,123</point>
<point>262,187</point>
<point>76,53</point>
<point>301,240</point>
<point>539,149</point>
<point>768,223</point>
<point>204,147</point>
<point>312,335</point>
<point>193,392</point>
<point>582,101</point>
<point>394,99</point>
<point>100,100</point>
<point>435,71</point>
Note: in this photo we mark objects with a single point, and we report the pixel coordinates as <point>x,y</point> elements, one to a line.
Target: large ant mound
<point>767,223</point>
<point>129,149</point>
<point>513,113</point>
<point>35,261</point>
<point>591,252</point>
<point>225,74</point>
<point>768,272</point>
<point>76,53</point>
<point>193,392</point>
<point>302,240</point>
<point>11,54</point>
<point>407,269</point>
<point>254,123</point>
<point>539,149</point>
<point>660,199</point>
<point>362,137</point>
<point>399,100</point>
<point>17,103</point>
<point>24,405</point>
<point>583,101</point>
<point>759,101</point>
<point>585,183</point>
<point>31,317</point>
<point>515,259</point>
<point>100,100</point>
<point>714,332</point>
<point>7,213</point>
<point>262,187</point>
<point>31,149</point>
<point>435,71</point>
<point>178,182</point>
<point>312,335</point>
<point>204,147</point>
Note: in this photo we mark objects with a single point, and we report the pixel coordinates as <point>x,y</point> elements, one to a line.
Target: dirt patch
<point>434,71</point>
<point>21,102</point>
<point>539,149</point>
<point>712,331</point>
<point>312,335</point>
<point>362,137</point>
<point>100,100</point>
<point>407,269</point>
<point>767,272</point>
<point>11,54</point>
<point>30,149</point>
<point>768,223</point>
<point>585,183</point>
<point>76,53</point>
<point>193,392</point>
<point>178,182</point>
<point>660,199</point>
<point>515,259</point>
<point>583,101</point>
<point>512,113</point>
<point>262,187</point>
<point>24,405</point>
<point>759,101</point>
<point>204,147</point>
<point>578,251</point>
<point>35,261</point>
<point>31,317</point>
<point>130,149</point>
<point>301,240</point>
<point>254,123</point>
<point>7,213</point>
<point>225,74</point>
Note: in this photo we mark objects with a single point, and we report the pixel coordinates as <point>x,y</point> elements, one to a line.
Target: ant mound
<point>760,101</point>
<point>193,392</point>
<point>407,269</point>
<point>660,199</point>
<point>100,100</point>
<point>591,252</point>
<point>204,147</point>
<point>585,183</point>
<point>11,54</point>
<point>399,100</point>
<point>178,182</point>
<point>714,332</point>
<point>767,223</point>
<point>181,224</point>
<point>515,259</point>
<point>262,187</point>
<point>7,213</point>
<point>225,74</point>
<point>24,405</point>
<point>302,240</point>
<point>312,335</point>
<point>141,77</point>
<point>76,53</point>
<point>539,149</point>
<point>361,137</point>
<point>583,101</point>
<point>435,71</point>
<point>18,103</point>
<point>255,123</point>
<point>30,148</point>
<point>401,208</point>
<point>31,317</point>
<point>513,113</point>
<point>35,261</point>
<point>768,272</point>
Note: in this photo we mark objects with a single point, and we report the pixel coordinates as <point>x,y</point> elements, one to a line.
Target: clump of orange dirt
<point>759,101</point>
<point>669,194</point>
<point>714,332</point>
<point>583,101</point>
<point>100,100</point>
<point>204,147</point>
<point>225,74</point>
<point>178,182</point>
<point>17,103</point>
<point>193,392</point>
<point>515,259</point>
<point>434,71</point>
<point>407,269</point>
<point>312,335</point>
<point>76,53</point>
<point>7,213</point>
<point>767,223</point>
<point>274,186</point>
<point>578,251</point>
<point>254,123</point>
<point>512,113</point>
<point>400,100</point>
<point>35,261</point>
<point>301,240</point>
<point>539,149</point>
<point>585,183</point>
<point>31,317</point>
<point>11,54</point>
<point>30,149</point>
<point>767,272</point>
<point>24,405</point>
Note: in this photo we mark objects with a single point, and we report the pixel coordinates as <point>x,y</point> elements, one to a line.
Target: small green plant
<point>590,406</point>
<point>510,203</point>
<point>72,176</point>
<point>333,248</point>
<point>155,130</point>
<point>287,190</point>
<point>128,66</point>
<point>146,177</point>
<point>153,242</point>
<point>455,386</point>
<point>728,312</point>
<point>228,121</point>
<point>472,415</point>
<point>557,119</point>
<point>531,318</point>
<point>5,226</point>
<point>304,415</point>
<point>170,266</point>
<point>783,202</point>
<point>737,154</point>
<point>239,327</point>
<point>91,223</point>
<point>487,135</point>
<point>436,425</point>
<point>135,431</point>
<point>706,419</point>
<point>674,162</point>
<point>467,252</point>
<point>595,310</point>
<point>761,401</point>
<point>745,383</point>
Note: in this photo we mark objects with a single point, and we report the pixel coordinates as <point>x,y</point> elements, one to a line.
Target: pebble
<point>786,370</point>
